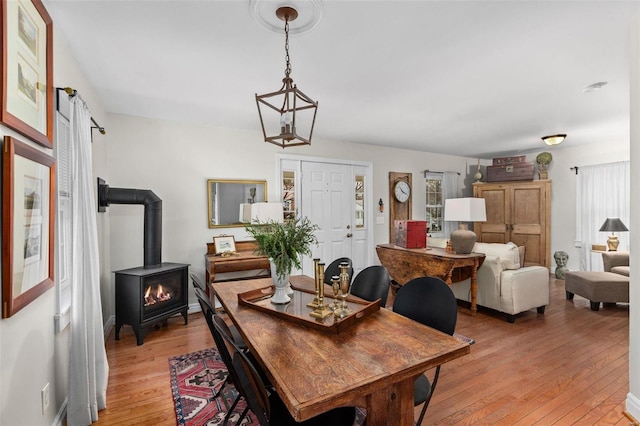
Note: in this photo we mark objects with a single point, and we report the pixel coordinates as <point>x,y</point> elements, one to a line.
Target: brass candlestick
<point>335,284</point>
<point>321,311</point>
<point>314,303</point>
<point>343,311</point>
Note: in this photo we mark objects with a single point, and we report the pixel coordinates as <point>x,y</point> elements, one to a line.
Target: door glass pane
<point>359,191</point>
<point>288,194</point>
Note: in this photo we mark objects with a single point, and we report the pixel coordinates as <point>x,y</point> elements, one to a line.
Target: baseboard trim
<point>59,420</point>
<point>633,409</point>
<point>108,326</point>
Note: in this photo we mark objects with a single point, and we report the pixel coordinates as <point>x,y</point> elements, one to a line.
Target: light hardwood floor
<point>566,367</point>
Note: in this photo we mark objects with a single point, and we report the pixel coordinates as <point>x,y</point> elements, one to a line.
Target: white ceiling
<point>470,78</point>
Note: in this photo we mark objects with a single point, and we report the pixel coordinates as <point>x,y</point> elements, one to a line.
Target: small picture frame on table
<point>28,212</point>
<point>224,244</point>
<point>27,70</point>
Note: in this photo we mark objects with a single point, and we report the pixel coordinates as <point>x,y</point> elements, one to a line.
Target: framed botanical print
<point>27,69</point>
<point>28,211</point>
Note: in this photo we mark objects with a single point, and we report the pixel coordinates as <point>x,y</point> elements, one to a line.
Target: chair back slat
<point>372,283</point>
<point>430,301</point>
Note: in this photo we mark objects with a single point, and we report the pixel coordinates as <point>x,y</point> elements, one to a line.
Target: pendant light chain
<point>287,70</point>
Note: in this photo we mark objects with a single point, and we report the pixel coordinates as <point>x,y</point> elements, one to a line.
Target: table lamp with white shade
<point>262,212</point>
<point>464,210</point>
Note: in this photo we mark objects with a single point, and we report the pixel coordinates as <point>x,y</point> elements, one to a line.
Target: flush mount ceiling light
<point>554,139</point>
<point>290,114</point>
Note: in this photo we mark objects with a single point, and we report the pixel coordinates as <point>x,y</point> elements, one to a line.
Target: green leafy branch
<point>284,243</point>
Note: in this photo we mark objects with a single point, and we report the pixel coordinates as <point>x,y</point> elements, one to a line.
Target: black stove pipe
<point>152,216</point>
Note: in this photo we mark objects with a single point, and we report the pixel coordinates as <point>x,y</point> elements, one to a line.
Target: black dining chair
<point>372,283</point>
<point>203,299</point>
<point>334,269</point>
<point>197,282</point>
<point>266,405</point>
<point>227,347</point>
<point>430,301</point>
<point>223,350</point>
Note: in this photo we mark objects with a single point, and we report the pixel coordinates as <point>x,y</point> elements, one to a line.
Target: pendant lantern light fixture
<point>290,114</point>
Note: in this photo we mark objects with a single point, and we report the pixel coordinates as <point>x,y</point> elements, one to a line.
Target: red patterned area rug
<point>195,378</point>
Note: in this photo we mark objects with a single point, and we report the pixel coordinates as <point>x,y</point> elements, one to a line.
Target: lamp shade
<point>613,224</point>
<point>465,210</point>
<point>261,212</point>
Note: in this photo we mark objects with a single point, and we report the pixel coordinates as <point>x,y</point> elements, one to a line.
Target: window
<point>435,202</point>
<point>439,186</point>
<point>596,200</point>
<point>63,252</point>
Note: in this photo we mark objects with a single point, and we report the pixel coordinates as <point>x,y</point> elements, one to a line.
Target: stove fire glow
<point>153,296</point>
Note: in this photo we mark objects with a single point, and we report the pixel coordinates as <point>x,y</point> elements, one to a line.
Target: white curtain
<point>88,369</point>
<point>602,191</point>
<point>449,190</point>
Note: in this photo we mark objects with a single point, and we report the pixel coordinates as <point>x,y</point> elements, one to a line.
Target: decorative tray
<point>298,312</point>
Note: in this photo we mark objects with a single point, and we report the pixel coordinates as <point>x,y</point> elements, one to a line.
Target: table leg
<point>447,277</point>
<point>391,406</point>
<point>474,287</point>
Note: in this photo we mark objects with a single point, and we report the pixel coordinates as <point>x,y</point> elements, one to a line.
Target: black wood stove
<point>151,293</point>
<point>147,296</point>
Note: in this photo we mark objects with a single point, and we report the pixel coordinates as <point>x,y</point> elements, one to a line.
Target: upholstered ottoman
<point>606,287</point>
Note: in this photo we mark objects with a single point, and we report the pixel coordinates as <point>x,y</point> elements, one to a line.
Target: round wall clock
<point>402,191</point>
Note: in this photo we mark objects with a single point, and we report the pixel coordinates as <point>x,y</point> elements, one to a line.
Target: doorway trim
<point>368,205</point>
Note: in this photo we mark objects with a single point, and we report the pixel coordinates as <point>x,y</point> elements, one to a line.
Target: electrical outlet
<point>45,398</point>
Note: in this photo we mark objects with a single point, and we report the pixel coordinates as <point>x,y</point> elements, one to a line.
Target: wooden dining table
<point>371,364</point>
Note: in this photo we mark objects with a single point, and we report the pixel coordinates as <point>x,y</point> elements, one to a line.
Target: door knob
<point>349,235</point>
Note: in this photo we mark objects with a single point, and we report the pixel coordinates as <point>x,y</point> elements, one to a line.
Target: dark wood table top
<point>372,364</point>
<point>433,252</point>
<point>406,264</point>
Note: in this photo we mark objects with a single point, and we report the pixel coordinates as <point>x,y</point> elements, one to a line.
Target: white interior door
<point>327,199</point>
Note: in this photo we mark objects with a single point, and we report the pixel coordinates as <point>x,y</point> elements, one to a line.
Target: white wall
<point>175,160</point>
<point>31,354</point>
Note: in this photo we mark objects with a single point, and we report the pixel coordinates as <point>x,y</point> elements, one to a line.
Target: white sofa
<point>504,285</point>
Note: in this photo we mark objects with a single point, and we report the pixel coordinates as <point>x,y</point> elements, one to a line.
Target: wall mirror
<point>224,197</point>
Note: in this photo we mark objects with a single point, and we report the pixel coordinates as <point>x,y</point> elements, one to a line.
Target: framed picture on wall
<point>27,69</point>
<point>28,211</point>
